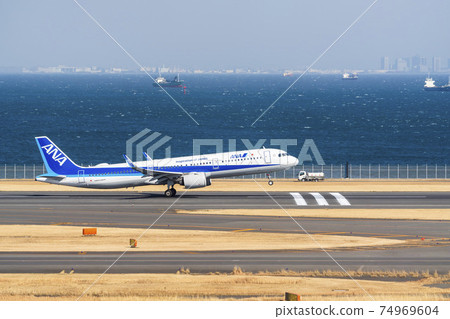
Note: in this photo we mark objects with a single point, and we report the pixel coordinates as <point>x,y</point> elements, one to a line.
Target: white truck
<point>304,176</point>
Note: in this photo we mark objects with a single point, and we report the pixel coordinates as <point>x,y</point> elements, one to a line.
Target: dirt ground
<point>248,185</point>
<point>412,214</point>
<point>69,238</point>
<point>232,286</point>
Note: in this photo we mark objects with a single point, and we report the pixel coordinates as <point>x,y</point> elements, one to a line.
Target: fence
<point>338,171</point>
<point>369,171</point>
<point>21,171</point>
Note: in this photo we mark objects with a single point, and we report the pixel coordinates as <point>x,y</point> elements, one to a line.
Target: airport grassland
<point>259,185</point>
<point>407,213</point>
<point>54,238</point>
<point>237,285</point>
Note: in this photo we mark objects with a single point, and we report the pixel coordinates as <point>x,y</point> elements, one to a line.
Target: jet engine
<point>195,180</point>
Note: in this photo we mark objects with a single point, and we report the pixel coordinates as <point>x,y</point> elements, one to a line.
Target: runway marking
<point>390,196</point>
<point>341,199</point>
<point>237,205</point>
<point>387,236</point>
<point>299,200</point>
<point>321,201</point>
<point>239,230</point>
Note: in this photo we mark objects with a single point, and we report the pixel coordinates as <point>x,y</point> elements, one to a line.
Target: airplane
<point>189,171</point>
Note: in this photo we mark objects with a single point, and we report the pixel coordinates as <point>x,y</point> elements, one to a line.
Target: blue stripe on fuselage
<point>126,171</point>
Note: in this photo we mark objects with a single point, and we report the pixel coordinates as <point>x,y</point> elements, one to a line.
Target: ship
<point>430,86</point>
<point>287,73</point>
<point>162,82</point>
<point>349,76</point>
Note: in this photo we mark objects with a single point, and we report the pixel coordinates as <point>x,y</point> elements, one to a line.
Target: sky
<point>205,34</point>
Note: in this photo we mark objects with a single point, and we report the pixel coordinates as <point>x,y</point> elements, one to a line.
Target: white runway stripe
<point>321,201</point>
<point>341,199</point>
<point>299,200</point>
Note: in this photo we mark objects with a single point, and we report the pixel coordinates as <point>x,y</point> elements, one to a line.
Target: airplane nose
<point>294,160</point>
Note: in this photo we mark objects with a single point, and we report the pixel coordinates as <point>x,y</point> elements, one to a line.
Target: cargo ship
<point>349,76</point>
<point>162,82</point>
<point>430,86</point>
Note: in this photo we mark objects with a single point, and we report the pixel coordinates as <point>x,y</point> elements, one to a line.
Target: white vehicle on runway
<point>304,176</point>
<point>189,171</point>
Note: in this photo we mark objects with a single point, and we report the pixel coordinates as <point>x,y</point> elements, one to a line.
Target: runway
<point>412,259</point>
<point>139,210</point>
<point>226,200</point>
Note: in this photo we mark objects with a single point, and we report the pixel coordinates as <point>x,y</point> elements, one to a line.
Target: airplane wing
<point>152,172</point>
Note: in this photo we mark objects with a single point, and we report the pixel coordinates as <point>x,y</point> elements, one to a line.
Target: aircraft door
<point>267,157</point>
<point>215,163</point>
<point>81,179</point>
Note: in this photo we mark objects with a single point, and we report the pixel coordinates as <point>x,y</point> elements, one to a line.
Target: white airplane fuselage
<point>190,171</point>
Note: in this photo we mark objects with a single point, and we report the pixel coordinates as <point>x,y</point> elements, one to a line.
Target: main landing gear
<point>270,182</point>
<point>170,191</point>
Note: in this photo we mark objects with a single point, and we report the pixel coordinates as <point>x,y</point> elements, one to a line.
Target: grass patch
<point>248,185</point>
<point>68,238</point>
<point>235,285</point>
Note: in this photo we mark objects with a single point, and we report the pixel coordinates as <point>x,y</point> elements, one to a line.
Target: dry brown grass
<point>69,238</point>
<point>417,214</point>
<point>237,285</point>
<point>289,185</point>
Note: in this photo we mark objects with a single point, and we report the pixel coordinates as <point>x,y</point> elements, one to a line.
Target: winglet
<point>133,166</point>
<point>129,162</point>
<point>148,158</point>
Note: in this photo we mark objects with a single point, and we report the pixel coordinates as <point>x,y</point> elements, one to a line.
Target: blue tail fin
<point>56,162</point>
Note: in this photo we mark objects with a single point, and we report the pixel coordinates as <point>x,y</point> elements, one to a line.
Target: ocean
<point>378,119</point>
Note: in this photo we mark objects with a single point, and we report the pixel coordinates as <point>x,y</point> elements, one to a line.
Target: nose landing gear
<point>270,182</point>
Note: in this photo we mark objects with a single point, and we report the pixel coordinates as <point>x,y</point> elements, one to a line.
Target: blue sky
<point>220,34</point>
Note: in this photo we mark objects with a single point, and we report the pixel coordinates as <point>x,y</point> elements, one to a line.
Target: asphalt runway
<point>412,259</point>
<point>139,210</point>
<point>224,200</point>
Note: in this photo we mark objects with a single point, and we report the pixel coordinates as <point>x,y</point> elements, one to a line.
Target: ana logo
<point>239,155</point>
<point>53,152</point>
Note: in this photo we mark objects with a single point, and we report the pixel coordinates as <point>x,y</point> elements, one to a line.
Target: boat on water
<point>349,76</point>
<point>287,73</point>
<point>162,82</point>
<point>430,86</point>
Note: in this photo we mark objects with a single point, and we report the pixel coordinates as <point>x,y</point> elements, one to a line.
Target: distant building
<point>385,65</point>
<point>401,65</point>
<point>164,69</point>
<point>419,64</point>
<point>436,65</point>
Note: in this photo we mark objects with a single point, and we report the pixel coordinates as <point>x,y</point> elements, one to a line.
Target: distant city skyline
<point>205,35</point>
<point>414,64</point>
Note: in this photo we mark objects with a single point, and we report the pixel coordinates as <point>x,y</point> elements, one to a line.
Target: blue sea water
<point>376,119</point>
